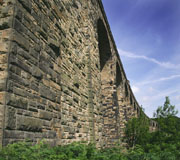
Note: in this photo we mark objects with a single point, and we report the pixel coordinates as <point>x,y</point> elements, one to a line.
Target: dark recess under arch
<point>126,90</point>
<point>104,46</point>
<point>118,75</point>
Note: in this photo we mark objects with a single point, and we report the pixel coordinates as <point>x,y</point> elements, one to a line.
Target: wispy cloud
<point>160,79</point>
<point>162,64</point>
<point>135,89</point>
<point>146,90</point>
<point>164,94</point>
<point>152,101</point>
<point>177,97</point>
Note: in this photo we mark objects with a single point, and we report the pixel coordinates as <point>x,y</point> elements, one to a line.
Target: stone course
<point>61,78</point>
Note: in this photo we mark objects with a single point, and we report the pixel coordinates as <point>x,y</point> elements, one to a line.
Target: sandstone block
<point>18,26</point>
<point>27,4</point>
<point>2,85</point>
<point>47,93</point>
<point>4,46</point>
<point>36,72</point>
<point>20,39</point>
<point>49,134</point>
<point>10,118</point>
<point>16,101</point>
<point>45,115</point>
<point>29,124</point>
<point>18,79</point>
<point>5,23</point>
<point>14,134</point>
<point>2,97</point>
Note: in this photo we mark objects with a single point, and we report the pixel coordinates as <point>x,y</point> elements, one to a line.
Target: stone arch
<point>126,90</point>
<point>108,95</point>
<point>134,106</point>
<point>119,95</point>
<point>103,44</point>
<point>118,75</point>
<point>105,59</point>
<point>131,100</point>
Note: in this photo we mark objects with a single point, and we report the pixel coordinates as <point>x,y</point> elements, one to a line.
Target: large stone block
<point>2,97</point>
<point>18,62</point>
<point>2,85</point>
<point>4,47</point>
<point>6,23</point>
<point>27,4</point>
<point>29,124</point>
<point>45,115</point>
<point>16,101</point>
<point>18,79</point>
<point>13,134</point>
<point>20,39</point>
<point>36,72</point>
<point>10,118</point>
<point>46,92</point>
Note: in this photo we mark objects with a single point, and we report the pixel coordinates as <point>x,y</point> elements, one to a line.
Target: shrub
<point>80,151</point>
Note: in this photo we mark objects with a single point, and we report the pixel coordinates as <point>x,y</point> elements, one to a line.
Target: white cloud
<point>151,89</point>
<point>160,79</point>
<point>145,98</point>
<point>166,93</point>
<point>135,89</point>
<point>177,97</point>
<point>162,64</point>
<point>149,99</point>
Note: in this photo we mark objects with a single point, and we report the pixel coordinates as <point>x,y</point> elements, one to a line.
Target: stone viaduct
<point>61,77</point>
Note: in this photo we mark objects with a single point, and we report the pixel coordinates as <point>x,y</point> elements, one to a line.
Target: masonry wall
<point>61,76</point>
<point>6,22</point>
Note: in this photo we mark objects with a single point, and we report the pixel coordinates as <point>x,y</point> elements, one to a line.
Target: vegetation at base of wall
<point>137,130</point>
<point>164,144</point>
<point>79,151</point>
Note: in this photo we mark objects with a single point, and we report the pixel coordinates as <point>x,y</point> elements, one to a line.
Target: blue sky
<point>147,35</point>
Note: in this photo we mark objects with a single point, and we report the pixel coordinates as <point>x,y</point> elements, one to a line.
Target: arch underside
<point>116,98</point>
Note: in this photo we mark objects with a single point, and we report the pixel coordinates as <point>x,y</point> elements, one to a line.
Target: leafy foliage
<point>162,144</point>
<point>166,110</point>
<point>79,151</point>
<point>137,130</point>
<point>169,128</point>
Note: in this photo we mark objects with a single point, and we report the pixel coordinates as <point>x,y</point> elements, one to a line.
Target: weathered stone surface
<point>11,134</point>
<point>10,118</point>
<point>5,23</point>
<point>45,115</point>
<point>27,4</point>
<point>29,124</point>
<point>16,101</point>
<point>2,85</point>
<point>47,93</point>
<point>61,78</point>
<point>2,97</point>
<point>36,72</point>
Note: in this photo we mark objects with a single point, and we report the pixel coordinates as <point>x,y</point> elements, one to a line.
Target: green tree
<point>166,110</point>
<point>164,143</point>
<point>169,129</point>
<point>137,130</point>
